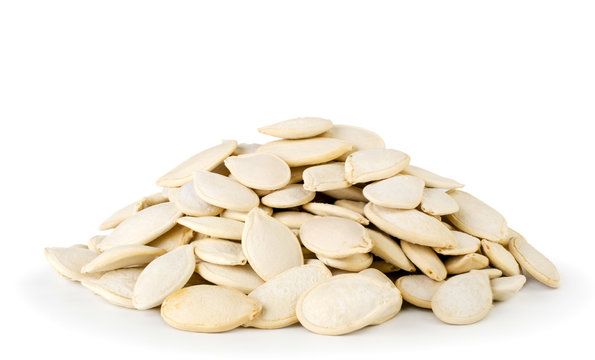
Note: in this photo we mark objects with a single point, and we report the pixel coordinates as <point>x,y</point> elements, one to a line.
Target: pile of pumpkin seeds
<point>325,227</point>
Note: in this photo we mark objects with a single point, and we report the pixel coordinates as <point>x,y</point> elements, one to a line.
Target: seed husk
<point>379,276</point>
<point>214,226</point>
<point>260,171</point>
<point>178,235</point>
<point>362,139</point>
<point>288,197</point>
<point>325,177</point>
<point>505,287</point>
<point>325,209</point>
<point>189,203</point>
<point>397,192</point>
<point>298,128</point>
<point>425,259</point>
<point>68,262</point>
<point>437,202</point>
<point>465,244</point>
<point>418,290</point>
<point>239,277</point>
<point>224,192</point>
<point>374,164</point>
<point>500,258</point>
<point>464,263</point>
<point>534,262</point>
<point>356,262</point>
<point>219,251</point>
<point>334,237</point>
<point>389,250</point>
<point>293,219</point>
<point>432,180</point>
<point>115,286</point>
<point>307,151</point>
<point>219,309</point>
<point>122,256</point>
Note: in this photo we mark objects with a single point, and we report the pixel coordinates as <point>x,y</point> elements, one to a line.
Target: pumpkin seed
<point>465,244</point>
<point>374,164</point>
<point>92,243</point>
<point>218,251</point>
<point>298,128</point>
<point>131,209</point>
<point>534,262</point>
<point>244,148</point>
<point>356,262</point>
<point>308,151</point>
<point>242,216</point>
<point>324,209</point>
<point>122,256</point>
<point>68,262</point>
<point>362,139</point>
<point>325,177</point>
<point>464,263</point>
<point>425,259</point>
<point>389,250</point>
<point>115,286</point>
<point>505,287</point>
<point>432,180</point>
<point>189,203</point>
<point>500,258</point>
<point>437,202</point>
<point>334,237</point>
<point>379,276</point>
<point>357,206</point>
<point>290,196</point>
<point>397,192</point>
<point>224,192</point>
<point>293,219</point>
<point>259,171</point>
<point>214,226</point>
<point>418,290</point>
<point>239,277</point>
<point>178,235</point>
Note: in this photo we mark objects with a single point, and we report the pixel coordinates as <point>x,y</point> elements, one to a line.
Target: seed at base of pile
<point>357,262</point>
<point>500,258</point>
<point>477,218</point>
<point>218,251</point>
<point>307,151</point>
<point>432,180</point>
<point>425,259</point>
<point>223,192</point>
<point>505,287</point>
<point>68,262</point>
<point>279,295</point>
<point>374,164</point>
<point>259,171</point>
<point>464,263</point>
<point>325,209</point>
<point>269,246</point>
<point>178,235</point>
<point>362,139</point>
<point>357,206</point>
<point>115,286</point>
<point>534,262</point>
<point>389,250</point>
<point>189,203</point>
<point>293,219</point>
<point>214,226</point>
<point>92,243</point>
<point>466,244</point>
<point>325,177</point>
<point>239,277</point>
<point>418,290</point>
<point>397,192</point>
<point>334,237</point>
<point>298,128</point>
<point>208,308</point>
<point>353,193</point>
<point>122,256</point>
<point>411,225</point>
<point>437,202</point>
<point>143,227</point>
<point>463,299</point>
<point>379,276</point>
<point>204,160</point>
<point>345,303</point>
<point>163,276</point>
<point>290,196</point>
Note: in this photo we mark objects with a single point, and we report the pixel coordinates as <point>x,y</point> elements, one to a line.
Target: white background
<point>98,99</point>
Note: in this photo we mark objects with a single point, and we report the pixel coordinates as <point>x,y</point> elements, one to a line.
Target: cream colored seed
<point>214,226</point>
<point>505,287</point>
<point>115,286</point>
<point>259,171</point>
<point>324,209</point>
<point>335,237</point>
<point>179,235</point>
<point>418,290</point>
<point>465,244</point>
<point>218,251</point>
<point>189,203</point>
<point>298,128</point>
<point>223,192</point>
<point>465,263</point>
<point>325,177</point>
<point>290,196</point>
<point>437,202</point>
<point>239,277</point>
<point>121,257</point>
<point>432,180</point>
<point>357,206</point>
<point>307,151</point>
<point>500,258</point>
<point>374,164</point>
<point>389,250</point>
<point>362,139</point>
<point>534,262</point>
<point>397,192</point>
<point>293,219</point>
<point>425,259</point>
<point>356,262</point>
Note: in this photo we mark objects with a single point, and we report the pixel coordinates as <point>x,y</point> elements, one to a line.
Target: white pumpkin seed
<point>279,295</point>
<point>437,202</point>
<point>463,299</point>
<point>143,227</point>
<point>219,309</point>
<point>500,258</point>
<point>324,209</point>
<point>259,171</point>
<point>308,151</point>
<point>357,206</point>
<point>242,216</point>
<point>214,226</point>
<point>115,286</point>
<point>464,263</point>
<point>293,219</point>
<point>218,251</point>
<point>178,235</point>
<point>356,262</point>
<point>122,256</point>
<point>131,209</point>
<point>418,290</point>
<point>334,237</point>
<point>477,218</point>
<point>68,262</point>
<point>298,128</point>
<point>290,196</point>
<point>362,139</point>
<point>325,177</point>
<point>206,160</point>
<point>163,276</point>
<point>397,192</point>
<point>505,287</point>
<point>353,193</point>
<point>465,244</point>
<point>239,277</point>
<point>190,203</point>
<point>534,262</point>
<point>374,164</point>
<point>425,259</point>
<point>410,225</point>
<point>389,250</point>
<point>224,192</point>
<point>432,180</point>
<point>379,276</point>
<point>269,246</point>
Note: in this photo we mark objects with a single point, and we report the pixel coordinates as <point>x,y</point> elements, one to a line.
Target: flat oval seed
<point>492,273</point>
<point>259,171</point>
<point>356,262</point>
<point>324,209</point>
<point>534,262</point>
<point>425,259</point>
<point>178,235</point>
<point>334,237</point>
<point>269,246</point>
<point>131,209</point>
<point>290,196</point>
<point>208,308</point>
<point>374,164</point>
<point>308,151</point>
<point>239,277</point>
<point>325,177</point>
<point>437,202</point>
<point>379,276</point>
<point>463,299</point>
<point>218,251</point>
<point>465,263</point>
<point>242,216</point>
<point>115,286</point>
<point>293,219</point>
<point>279,296</point>
<point>68,262</point>
<point>224,192</point>
<point>357,206</point>
<point>163,276</point>
<point>214,226</point>
<point>362,139</point>
<point>389,250</point>
<point>432,180</point>
<point>477,218</point>
<point>122,256</point>
<point>190,203</point>
<point>410,225</point>
<point>418,290</point>
<point>505,287</point>
<point>298,128</point>
<point>351,193</point>
<point>500,258</point>
<point>398,192</point>
<point>143,227</point>
<point>345,303</point>
<point>466,244</point>
<point>204,160</point>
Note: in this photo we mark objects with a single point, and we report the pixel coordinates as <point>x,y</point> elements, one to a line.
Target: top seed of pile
<point>324,226</point>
